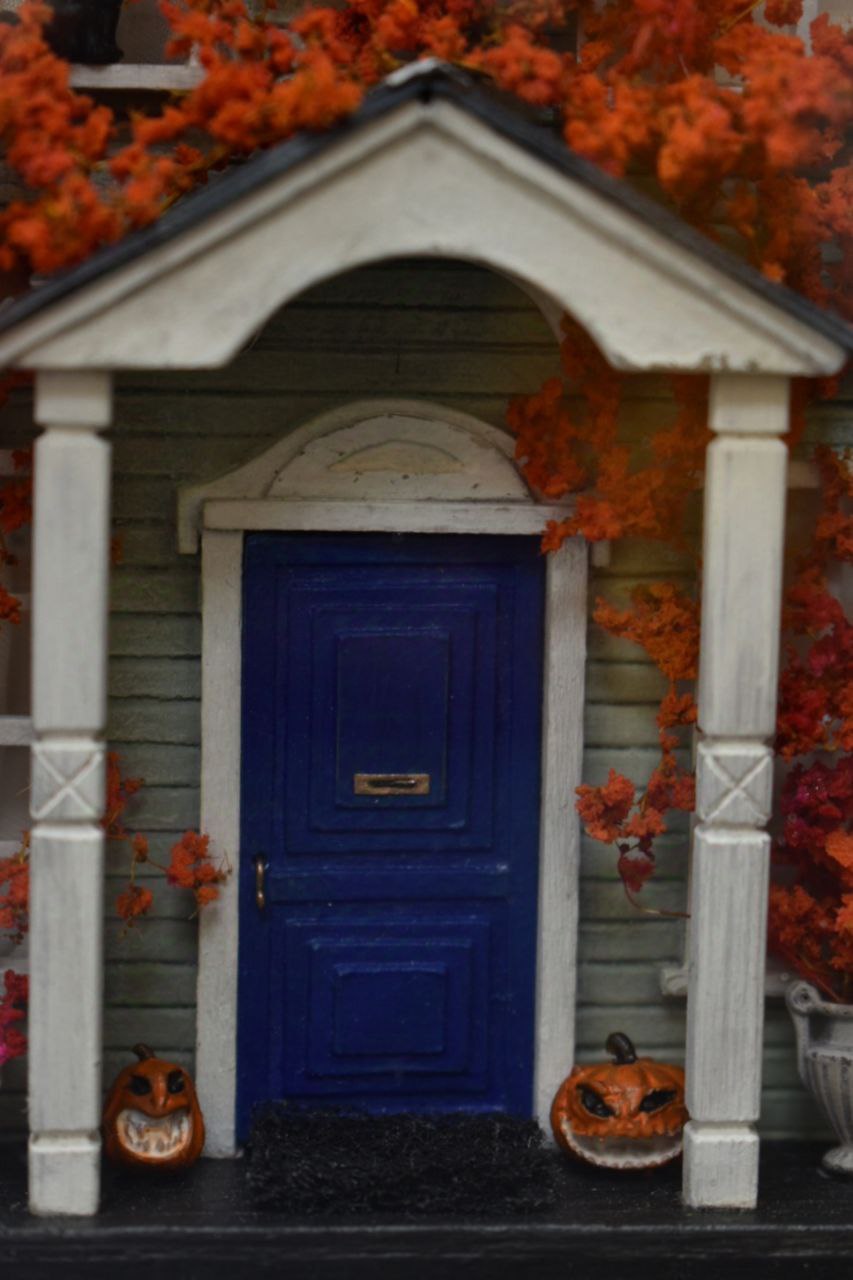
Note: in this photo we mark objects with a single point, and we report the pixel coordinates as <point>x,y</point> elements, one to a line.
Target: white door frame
<point>403,457</point>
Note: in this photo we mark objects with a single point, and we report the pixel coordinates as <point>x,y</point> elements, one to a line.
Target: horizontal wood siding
<point>452,334</point>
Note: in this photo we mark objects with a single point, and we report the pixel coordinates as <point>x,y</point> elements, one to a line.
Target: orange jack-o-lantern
<point>152,1116</point>
<point>625,1114</point>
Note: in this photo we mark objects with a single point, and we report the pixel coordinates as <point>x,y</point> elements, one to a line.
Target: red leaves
<point>604,809</point>
<point>634,869</point>
<point>120,790</point>
<point>13,1006</point>
<point>16,495</point>
<point>134,902</point>
<point>15,894</point>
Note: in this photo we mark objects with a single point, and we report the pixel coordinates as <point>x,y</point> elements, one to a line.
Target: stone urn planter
<point>825,1056</point>
<point>85,31</point>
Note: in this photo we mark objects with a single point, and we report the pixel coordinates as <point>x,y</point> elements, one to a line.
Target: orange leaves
<point>609,122</point>
<point>134,902</point>
<point>663,621</point>
<point>783,12</point>
<point>699,135</point>
<point>520,65</point>
<point>839,845</point>
<point>547,439</point>
<point>191,868</point>
<point>612,814</point>
<point>645,93</point>
<point>604,810</point>
<point>120,790</point>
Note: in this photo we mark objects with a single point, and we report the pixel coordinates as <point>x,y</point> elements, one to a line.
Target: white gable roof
<point>430,167</point>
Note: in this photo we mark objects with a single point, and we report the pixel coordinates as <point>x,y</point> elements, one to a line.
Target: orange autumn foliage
<point>764,151</point>
<point>190,868</point>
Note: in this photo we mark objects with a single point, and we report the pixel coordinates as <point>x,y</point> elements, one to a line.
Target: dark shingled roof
<point>432,81</point>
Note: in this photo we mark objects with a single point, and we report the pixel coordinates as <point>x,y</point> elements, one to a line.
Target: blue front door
<point>390,790</point>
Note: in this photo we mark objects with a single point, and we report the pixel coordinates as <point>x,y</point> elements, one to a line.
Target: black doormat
<point>323,1162</point>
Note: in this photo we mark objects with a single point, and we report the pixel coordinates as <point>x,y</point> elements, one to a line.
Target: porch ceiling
<point>437,166</point>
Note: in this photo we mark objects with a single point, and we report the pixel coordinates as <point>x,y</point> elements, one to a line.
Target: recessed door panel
<point>391,691</point>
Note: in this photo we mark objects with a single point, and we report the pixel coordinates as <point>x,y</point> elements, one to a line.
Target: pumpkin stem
<point>621,1047</point>
<point>142,1052</point>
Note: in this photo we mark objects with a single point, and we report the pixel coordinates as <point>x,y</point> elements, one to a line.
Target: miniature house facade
<point>392,678</point>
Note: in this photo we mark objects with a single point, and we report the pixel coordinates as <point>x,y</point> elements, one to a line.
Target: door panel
<point>392,691</point>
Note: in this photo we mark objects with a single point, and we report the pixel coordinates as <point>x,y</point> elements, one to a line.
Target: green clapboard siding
<point>466,338</point>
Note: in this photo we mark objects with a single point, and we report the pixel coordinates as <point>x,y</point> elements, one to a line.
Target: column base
<point>720,1166</point>
<point>65,1173</point>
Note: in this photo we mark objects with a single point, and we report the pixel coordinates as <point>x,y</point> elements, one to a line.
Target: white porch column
<point>70,572</point>
<point>741,596</point>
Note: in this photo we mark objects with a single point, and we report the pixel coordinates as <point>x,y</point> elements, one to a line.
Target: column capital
<point>74,398</point>
<point>750,404</point>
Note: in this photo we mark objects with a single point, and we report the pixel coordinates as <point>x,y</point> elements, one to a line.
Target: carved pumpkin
<point>152,1116</point>
<point>625,1114</point>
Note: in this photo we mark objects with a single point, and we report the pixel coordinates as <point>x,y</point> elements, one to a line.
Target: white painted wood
<point>423,180</point>
<point>216,1033</point>
<point>380,517</point>
<point>66,977</point>
<point>741,586</point>
<point>747,405</point>
<point>135,77</point>
<point>64,1173</point>
<point>220,768</point>
<point>734,782</point>
<point>390,458</point>
<point>70,580</point>
<point>320,459</point>
<point>559,849</point>
<point>720,1166</point>
<point>725,1008</point>
<point>82,398</point>
<point>70,567</point>
<point>745,491</point>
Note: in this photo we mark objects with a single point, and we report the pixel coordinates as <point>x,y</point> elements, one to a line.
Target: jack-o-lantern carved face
<point>152,1116</point>
<point>625,1114</point>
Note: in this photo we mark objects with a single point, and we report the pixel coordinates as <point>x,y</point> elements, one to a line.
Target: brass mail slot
<point>391,784</point>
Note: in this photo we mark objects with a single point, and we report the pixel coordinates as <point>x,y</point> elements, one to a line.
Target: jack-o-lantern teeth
<point>152,1138</point>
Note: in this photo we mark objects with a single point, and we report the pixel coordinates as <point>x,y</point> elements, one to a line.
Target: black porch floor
<point>203,1226</point>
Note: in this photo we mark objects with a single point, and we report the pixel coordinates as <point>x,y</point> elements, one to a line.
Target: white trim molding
<point>416,463</point>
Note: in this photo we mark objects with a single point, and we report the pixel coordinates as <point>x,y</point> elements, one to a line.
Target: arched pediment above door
<point>388,451</point>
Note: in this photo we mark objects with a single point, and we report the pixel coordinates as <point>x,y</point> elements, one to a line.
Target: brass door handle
<point>260,882</point>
